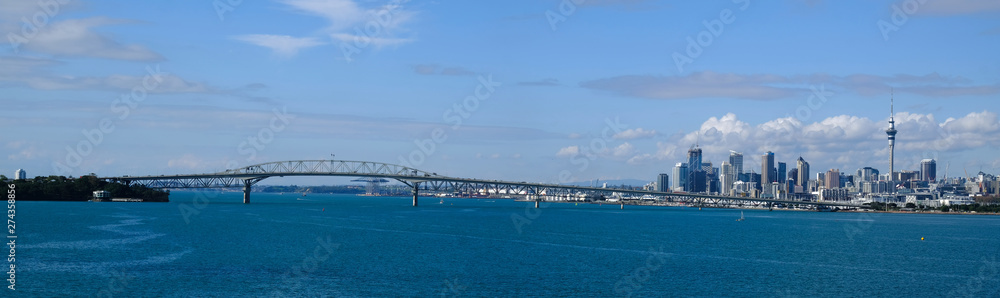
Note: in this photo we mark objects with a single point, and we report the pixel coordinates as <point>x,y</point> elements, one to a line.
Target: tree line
<point>60,188</point>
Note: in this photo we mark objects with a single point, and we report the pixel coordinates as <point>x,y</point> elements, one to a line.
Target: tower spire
<point>891,132</point>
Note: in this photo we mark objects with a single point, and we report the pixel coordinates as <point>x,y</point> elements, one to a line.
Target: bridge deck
<point>246,177</point>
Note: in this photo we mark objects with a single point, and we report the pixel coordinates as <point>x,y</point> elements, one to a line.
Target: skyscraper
<point>680,176</point>
<point>892,139</point>
<point>832,179</point>
<point>793,178</point>
<point>727,178</point>
<point>736,160</point>
<point>20,175</point>
<point>767,171</point>
<point>782,172</point>
<point>803,179</point>
<point>928,170</point>
<point>694,159</point>
<point>868,174</point>
<point>663,183</point>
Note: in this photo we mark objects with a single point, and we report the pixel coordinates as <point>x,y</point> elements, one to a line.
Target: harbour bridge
<point>419,180</point>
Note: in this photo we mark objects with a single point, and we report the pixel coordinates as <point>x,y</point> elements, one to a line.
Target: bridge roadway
<point>414,178</point>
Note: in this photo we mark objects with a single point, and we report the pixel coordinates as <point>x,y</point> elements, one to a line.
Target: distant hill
<point>599,183</point>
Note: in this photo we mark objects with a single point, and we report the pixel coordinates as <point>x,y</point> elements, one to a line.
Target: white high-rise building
<point>680,176</point>
<point>20,175</point>
<point>736,160</point>
<point>727,178</point>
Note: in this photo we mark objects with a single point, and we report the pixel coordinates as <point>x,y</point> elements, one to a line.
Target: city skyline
<point>522,90</point>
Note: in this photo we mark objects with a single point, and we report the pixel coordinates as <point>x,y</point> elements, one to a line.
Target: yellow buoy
<point>921,238</point>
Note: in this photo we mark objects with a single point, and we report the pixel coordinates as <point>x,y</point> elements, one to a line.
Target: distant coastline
<point>67,189</point>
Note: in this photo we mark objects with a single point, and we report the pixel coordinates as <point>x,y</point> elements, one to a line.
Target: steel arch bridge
<point>248,176</point>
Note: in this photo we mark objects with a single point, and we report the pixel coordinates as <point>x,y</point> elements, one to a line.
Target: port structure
<point>373,186</point>
<point>419,180</point>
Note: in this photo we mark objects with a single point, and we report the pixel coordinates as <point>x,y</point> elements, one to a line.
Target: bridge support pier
<point>416,190</point>
<point>536,204</point>
<point>246,191</point>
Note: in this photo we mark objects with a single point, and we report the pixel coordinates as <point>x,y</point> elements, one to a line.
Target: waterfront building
<point>782,172</point>
<point>767,171</point>
<point>868,174</point>
<point>793,178</point>
<point>20,175</point>
<point>928,170</point>
<point>680,176</point>
<point>834,194</point>
<point>736,160</point>
<point>694,159</point>
<point>663,183</point>
<point>727,178</point>
<point>803,167</point>
<point>832,179</point>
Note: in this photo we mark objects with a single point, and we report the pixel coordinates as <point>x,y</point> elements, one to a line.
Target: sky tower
<point>892,137</point>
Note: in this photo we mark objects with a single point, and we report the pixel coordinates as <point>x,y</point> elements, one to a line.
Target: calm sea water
<point>341,245</point>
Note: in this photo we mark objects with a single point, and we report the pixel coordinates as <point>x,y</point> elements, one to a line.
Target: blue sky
<point>516,90</point>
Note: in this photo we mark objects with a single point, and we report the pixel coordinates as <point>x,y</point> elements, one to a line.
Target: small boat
<point>741,217</point>
<point>442,201</point>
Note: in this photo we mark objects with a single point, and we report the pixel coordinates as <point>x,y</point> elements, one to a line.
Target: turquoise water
<point>210,244</point>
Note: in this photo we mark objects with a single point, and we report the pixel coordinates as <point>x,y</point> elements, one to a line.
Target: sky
<point>522,90</point>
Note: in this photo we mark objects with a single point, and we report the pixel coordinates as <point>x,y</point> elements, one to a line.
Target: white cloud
<point>349,23</point>
<point>282,45</point>
<point>434,69</point>
<point>635,133</point>
<point>956,7</point>
<point>845,142</point>
<point>708,84</point>
<point>77,38</point>
<point>33,72</point>
<point>376,41</point>
<point>624,150</point>
<point>187,162</point>
<point>568,151</point>
<point>24,150</point>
